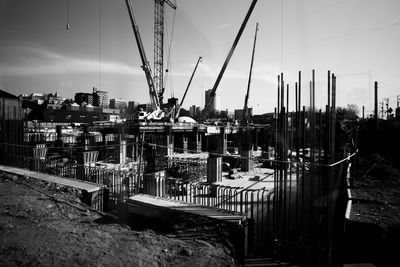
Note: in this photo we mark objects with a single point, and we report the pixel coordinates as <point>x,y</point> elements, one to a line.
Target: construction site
<point>241,193</point>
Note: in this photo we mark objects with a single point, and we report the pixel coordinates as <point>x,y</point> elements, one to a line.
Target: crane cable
<point>99,45</point>
<point>67,3</point>
<point>169,45</point>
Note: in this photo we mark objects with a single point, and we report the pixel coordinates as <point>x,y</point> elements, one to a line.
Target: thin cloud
<point>223,26</point>
<point>27,60</point>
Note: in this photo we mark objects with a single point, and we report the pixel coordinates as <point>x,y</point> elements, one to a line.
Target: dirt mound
<point>43,224</point>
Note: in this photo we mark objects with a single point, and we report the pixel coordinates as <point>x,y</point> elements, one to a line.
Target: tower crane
<point>159,46</point>
<point>157,113</point>
<point>154,81</point>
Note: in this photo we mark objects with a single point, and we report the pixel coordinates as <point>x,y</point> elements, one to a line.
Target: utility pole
<point>363,114</point>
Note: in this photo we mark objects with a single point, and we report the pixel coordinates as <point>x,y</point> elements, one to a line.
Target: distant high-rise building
<point>118,103</point>
<point>100,98</point>
<point>215,104</point>
<point>84,97</point>
<point>194,111</point>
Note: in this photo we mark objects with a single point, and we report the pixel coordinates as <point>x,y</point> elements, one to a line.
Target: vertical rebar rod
<point>329,87</point>
<point>376,104</point>
<point>282,91</point>
<point>297,145</point>
<point>303,188</point>
<point>279,95</point>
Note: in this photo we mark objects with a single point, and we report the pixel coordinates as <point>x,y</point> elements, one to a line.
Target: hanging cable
<point>281,35</point>
<point>99,45</point>
<point>67,3</point>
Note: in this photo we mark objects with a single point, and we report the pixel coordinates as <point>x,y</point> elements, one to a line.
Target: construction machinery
<point>245,118</point>
<point>159,46</point>
<point>157,113</point>
<point>155,83</point>
<point>178,108</point>
<point>208,105</point>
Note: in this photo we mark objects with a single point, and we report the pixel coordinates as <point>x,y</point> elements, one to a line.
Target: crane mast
<point>246,100</point>
<point>159,46</point>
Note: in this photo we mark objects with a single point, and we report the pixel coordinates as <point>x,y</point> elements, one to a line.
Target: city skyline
<point>356,40</point>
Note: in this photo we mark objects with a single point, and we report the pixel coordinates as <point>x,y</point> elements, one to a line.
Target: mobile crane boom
<point>221,73</point>
<point>187,87</point>
<point>246,100</point>
<point>145,63</point>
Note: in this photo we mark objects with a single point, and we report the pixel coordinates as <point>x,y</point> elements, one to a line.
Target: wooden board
<point>89,187</point>
<point>154,203</point>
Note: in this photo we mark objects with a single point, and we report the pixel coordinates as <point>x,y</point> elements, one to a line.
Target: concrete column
<point>245,160</point>
<point>223,142</point>
<point>135,148</point>
<point>169,141</point>
<point>170,145</point>
<point>181,143</point>
<point>245,150</point>
<point>198,142</point>
<point>58,131</point>
<point>154,184</point>
<point>214,169</point>
<point>185,143</point>
<point>151,154</point>
<point>255,139</point>
<point>122,152</point>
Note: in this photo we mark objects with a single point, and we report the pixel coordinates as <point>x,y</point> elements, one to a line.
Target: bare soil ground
<point>377,192</point>
<point>43,224</point>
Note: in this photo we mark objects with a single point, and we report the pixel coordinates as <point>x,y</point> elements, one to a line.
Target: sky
<point>358,40</point>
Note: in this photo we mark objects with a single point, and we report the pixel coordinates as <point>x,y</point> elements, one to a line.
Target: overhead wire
<point>99,45</point>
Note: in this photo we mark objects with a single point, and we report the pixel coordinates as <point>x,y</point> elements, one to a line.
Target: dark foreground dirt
<point>46,225</point>
<point>376,191</point>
